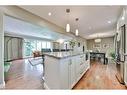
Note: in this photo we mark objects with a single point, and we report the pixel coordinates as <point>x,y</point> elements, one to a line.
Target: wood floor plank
<point>23,75</point>
<point>100,76</point>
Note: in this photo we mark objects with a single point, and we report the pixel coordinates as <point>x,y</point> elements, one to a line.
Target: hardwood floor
<point>100,76</point>
<point>22,75</point>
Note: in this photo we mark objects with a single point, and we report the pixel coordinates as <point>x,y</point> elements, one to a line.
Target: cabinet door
<point>82,58</point>
<point>72,72</point>
<point>77,63</point>
<point>64,73</point>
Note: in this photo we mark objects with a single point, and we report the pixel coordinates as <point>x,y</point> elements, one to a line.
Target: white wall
<point>1,50</point>
<point>108,40</point>
<point>82,43</point>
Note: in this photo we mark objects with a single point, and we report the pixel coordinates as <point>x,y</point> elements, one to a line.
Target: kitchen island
<point>64,69</point>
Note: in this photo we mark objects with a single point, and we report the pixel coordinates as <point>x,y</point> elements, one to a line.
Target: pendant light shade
<point>68,25</point>
<point>76,32</point>
<point>98,39</point>
<point>68,28</point>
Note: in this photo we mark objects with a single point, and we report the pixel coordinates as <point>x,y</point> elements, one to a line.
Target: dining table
<point>99,53</point>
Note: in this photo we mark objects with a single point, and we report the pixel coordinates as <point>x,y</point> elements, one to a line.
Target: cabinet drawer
<point>80,73</point>
<point>79,68</point>
<point>82,58</point>
<point>82,65</point>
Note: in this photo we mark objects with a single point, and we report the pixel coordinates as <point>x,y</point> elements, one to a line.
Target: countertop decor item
<point>112,54</point>
<point>72,43</point>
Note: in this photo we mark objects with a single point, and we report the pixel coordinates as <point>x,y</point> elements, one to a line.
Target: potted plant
<point>72,43</point>
<point>112,54</point>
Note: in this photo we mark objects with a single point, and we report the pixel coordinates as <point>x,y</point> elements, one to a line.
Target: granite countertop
<point>60,55</point>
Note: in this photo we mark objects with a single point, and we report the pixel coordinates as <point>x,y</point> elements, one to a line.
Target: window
<point>29,47</point>
<point>48,45</point>
<point>43,44</point>
<point>39,45</point>
<point>32,45</point>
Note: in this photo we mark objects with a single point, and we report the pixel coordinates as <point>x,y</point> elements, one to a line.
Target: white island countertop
<point>60,55</point>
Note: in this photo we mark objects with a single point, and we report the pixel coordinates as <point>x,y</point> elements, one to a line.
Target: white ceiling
<point>19,28</point>
<point>95,17</point>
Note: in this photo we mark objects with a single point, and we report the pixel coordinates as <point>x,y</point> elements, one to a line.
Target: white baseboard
<point>46,86</point>
<point>125,83</point>
<point>2,85</point>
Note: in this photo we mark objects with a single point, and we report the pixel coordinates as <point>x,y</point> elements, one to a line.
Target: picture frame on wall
<point>97,45</point>
<point>105,45</point>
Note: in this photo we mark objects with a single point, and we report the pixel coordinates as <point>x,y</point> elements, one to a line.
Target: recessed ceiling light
<point>49,13</point>
<point>122,18</point>
<point>109,21</point>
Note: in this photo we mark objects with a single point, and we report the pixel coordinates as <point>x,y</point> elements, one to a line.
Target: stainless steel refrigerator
<point>120,53</point>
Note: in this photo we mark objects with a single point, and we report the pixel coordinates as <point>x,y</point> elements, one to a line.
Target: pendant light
<point>97,40</point>
<point>68,25</point>
<point>76,31</point>
<point>68,28</point>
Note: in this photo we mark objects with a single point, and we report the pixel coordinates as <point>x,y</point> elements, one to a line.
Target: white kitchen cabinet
<point>72,72</point>
<point>52,73</point>
<point>65,65</point>
<point>64,73</point>
<point>80,65</point>
<point>57,73</point>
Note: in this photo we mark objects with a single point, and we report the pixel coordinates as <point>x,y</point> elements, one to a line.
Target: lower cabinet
<point>77,67</point>
<point>64,73</point>
<point>72,72</point>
